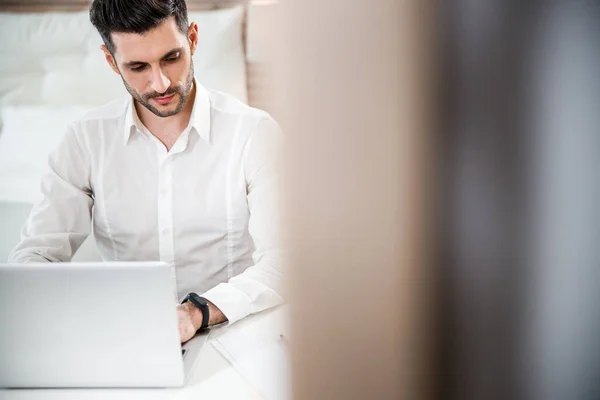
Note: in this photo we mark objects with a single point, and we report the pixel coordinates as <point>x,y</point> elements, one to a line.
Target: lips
<point>165,99</point>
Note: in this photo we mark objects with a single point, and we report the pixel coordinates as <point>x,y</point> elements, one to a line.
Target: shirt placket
<point>165,208</point>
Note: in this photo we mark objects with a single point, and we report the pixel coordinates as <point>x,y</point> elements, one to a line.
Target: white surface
<point>54,59</point>
<point>86,334</point>
<point>213,378</point>
<point>260,355</point>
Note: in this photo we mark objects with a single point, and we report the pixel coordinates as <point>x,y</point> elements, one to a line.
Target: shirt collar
<point>199,117</point>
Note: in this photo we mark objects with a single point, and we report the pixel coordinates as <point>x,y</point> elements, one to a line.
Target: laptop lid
<point>89,325</point>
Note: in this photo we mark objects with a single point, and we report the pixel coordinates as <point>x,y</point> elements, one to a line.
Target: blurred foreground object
<point>520,199</point>
<point>355,83</point>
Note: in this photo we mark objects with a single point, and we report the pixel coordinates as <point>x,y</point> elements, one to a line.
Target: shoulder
<point>99,122</point>
<point>226,105</point>
<point>253,129</point>
<point>111,111</point>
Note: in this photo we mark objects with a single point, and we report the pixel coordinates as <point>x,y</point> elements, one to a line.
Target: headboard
<point>255,78</point>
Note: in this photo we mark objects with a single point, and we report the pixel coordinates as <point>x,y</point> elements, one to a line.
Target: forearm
<point>26,256</point>
<point>36,246</point>
<point>256,289</point>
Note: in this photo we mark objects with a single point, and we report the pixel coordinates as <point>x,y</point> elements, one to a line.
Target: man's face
<point>156,67</point>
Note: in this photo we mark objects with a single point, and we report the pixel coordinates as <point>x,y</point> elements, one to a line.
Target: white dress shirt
<point>208,207</point>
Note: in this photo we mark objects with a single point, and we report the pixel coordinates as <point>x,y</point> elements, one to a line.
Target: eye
<point>172,58</point>
<point>139,68</point>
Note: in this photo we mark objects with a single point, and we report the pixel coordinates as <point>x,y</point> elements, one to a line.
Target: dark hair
<point>135,16</point>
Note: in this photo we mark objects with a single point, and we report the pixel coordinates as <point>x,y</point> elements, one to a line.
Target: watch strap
<point>200,303</point>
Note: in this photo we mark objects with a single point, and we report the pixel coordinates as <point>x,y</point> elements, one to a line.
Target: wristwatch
<point>202,304</point>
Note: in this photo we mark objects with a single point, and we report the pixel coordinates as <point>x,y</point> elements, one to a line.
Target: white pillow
<point>27,137</point>
<point>54,59</point>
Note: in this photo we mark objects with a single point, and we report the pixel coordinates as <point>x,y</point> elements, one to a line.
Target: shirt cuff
<point>233,303</point>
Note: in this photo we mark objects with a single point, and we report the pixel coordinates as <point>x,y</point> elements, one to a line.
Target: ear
<point>193,37</point>
<point>110,59</point>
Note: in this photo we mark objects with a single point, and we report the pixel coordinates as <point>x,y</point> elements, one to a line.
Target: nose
<point>160,83</point>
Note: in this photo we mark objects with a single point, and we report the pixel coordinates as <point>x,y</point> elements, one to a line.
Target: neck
<point>167,129</point>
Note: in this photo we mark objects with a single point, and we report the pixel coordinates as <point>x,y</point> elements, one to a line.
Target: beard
<point>183,91</point>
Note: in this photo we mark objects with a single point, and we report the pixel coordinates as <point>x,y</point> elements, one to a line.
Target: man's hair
<point>135,16</point>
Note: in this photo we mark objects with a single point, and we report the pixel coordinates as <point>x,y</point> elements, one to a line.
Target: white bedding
<point>28,136</point>
<point>54,59</point>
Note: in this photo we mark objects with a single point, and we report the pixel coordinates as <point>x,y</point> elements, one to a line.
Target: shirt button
<point>165,232</point>
<point>164,192</point>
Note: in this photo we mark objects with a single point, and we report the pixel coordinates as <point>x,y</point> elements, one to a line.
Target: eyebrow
<point>170,54</point>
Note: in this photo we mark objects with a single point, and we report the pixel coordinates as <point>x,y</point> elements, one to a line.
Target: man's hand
<point>190,319</point>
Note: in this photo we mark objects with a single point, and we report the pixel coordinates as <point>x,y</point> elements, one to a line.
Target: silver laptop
<point>91,325</point>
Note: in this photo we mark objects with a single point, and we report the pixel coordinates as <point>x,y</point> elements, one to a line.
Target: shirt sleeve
<point>61,221</point>
<point>258,287</point>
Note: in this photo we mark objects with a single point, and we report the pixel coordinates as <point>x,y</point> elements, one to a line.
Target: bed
<point>52,71</point>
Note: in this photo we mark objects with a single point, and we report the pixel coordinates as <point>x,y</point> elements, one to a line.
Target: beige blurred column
<point>355,84</point>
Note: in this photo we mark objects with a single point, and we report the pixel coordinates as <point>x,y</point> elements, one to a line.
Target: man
<point>173,172</point>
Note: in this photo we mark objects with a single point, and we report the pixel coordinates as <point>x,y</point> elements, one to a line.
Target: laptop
<point>92,325</point>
